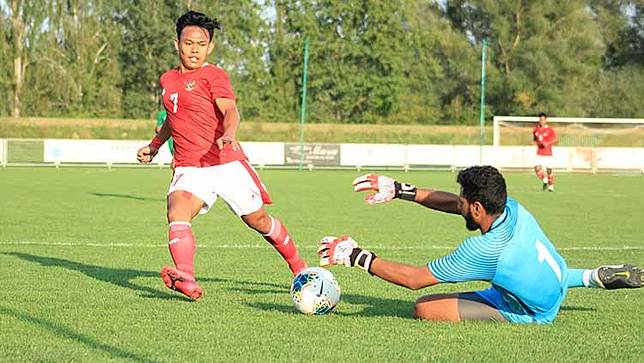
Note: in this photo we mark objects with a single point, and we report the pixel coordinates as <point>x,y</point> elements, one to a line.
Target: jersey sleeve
<point>475,259</point>
<point>220,86</point>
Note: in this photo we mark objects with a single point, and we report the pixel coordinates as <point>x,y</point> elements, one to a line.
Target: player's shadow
<point>373,306</point>
<point>63,331</point>
<point>126,196</point>
<point>117,276</point>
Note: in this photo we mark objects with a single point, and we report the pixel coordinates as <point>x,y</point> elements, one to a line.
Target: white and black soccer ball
<point>315,291</point>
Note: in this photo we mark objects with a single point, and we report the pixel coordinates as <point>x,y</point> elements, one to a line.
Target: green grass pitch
<point>81,250</point>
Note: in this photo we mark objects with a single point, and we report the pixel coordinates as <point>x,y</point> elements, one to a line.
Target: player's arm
<point>228,108</point>
<point>148,152</point>
<point>345,251</point>
<point>388,189</point>
<point>411,277</point>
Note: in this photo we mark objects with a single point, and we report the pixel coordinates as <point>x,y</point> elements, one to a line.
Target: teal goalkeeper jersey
<point>515,256</point>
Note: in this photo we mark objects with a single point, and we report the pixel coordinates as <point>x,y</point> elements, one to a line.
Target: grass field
<point>81,249</point>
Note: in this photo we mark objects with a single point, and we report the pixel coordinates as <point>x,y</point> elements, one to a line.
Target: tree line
<point>371,61</point>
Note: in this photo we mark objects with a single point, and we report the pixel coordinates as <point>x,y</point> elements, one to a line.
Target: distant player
<point>529,279</point>
<point>203,121</point>
<point>544,137</point>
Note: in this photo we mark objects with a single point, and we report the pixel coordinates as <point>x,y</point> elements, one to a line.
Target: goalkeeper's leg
<point>456,307</point>
<point>608,277</point>
<point>274,231</point>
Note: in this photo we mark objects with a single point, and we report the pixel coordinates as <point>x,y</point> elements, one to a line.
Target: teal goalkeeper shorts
<point>513,311</point>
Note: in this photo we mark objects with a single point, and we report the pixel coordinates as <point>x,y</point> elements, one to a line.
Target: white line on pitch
<point>301,246</point>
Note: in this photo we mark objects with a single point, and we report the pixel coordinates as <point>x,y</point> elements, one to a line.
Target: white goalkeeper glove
<point>344,251</point>
<point>386,188</point>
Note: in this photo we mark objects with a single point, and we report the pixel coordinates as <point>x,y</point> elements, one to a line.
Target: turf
<point>81,250</point>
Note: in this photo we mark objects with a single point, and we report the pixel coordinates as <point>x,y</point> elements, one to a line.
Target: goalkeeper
<point>529,279</point>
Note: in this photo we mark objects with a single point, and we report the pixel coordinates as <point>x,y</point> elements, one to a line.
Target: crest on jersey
<point>190,85</point>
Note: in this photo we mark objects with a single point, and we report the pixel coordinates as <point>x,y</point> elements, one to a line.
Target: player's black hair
<point>543,114</point>
<point>484,184</point>
<point>198,19</point>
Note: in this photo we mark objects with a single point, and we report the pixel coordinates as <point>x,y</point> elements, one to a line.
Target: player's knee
<point>178,214</point>
<point>421,309</point>
<point>436,308</point>
<point>260,221</point>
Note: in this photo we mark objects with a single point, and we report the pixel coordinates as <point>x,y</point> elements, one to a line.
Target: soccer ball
<point>315,291</point>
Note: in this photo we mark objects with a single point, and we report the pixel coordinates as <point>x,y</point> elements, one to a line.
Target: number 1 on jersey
<point>174,97</point>
<point>544,255</point>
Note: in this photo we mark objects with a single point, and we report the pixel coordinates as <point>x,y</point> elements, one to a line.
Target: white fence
<point>59,151</point>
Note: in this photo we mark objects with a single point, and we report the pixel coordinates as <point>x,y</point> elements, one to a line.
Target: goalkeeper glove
<point>386,188</point>
<point>344,251</point>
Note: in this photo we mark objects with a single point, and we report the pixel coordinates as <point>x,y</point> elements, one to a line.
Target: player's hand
<point>386,188</point>
<point>146,154</point>
<point>344,251</point>
<point>228,139</point>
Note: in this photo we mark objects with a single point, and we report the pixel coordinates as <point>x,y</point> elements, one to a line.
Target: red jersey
<point>544,137</point>
<point>189,98</point>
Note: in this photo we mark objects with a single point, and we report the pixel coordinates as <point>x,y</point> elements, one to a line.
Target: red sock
<point>541,174</point>
<point>279,238</point>
<point>551,179</point>
<point>182,246</point>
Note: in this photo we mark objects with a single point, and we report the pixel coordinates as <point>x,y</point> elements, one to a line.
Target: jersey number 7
<point>174,97</point>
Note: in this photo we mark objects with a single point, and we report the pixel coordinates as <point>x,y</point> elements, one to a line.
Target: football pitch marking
<point>263,245</point>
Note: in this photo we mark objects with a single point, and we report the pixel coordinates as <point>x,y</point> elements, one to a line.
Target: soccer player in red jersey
<point>544,136</point>
<point>209,162</point>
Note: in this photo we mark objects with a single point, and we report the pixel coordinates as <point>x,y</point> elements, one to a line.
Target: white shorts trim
<point>231,181</point>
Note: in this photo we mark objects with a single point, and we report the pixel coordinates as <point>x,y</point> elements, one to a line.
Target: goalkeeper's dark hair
<point>543,114</point>
<point>486,185</point>
<point>197,19</point>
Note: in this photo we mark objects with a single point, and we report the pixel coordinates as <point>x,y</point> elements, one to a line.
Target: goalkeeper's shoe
<point>618,277</point>
<point>182,282</point>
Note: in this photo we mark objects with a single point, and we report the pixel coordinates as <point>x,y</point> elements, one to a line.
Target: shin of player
<point>275,233</point>
<point>182,246</point>
<point>551,179</point>
<point>279,238</point>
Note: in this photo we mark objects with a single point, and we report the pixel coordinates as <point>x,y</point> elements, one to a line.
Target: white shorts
<point>543,161</point>
<point>236,182</point>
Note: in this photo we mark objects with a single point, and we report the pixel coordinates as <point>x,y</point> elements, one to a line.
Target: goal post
<point>627,132</point>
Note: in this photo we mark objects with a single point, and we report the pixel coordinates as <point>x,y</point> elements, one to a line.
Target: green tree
<point>547,53</point>
<point>618,93</point>
<point>241,48</point>
<point>26,21</point>
<point>5,62</point>
<point>75,69</point>
<point>355,57</point>
<point>148,31</point>
<point>442,69</point>
<point>622,27</point>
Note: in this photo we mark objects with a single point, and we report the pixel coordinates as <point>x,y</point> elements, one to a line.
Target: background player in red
<point>209,162</point>
<point>544,136</point>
